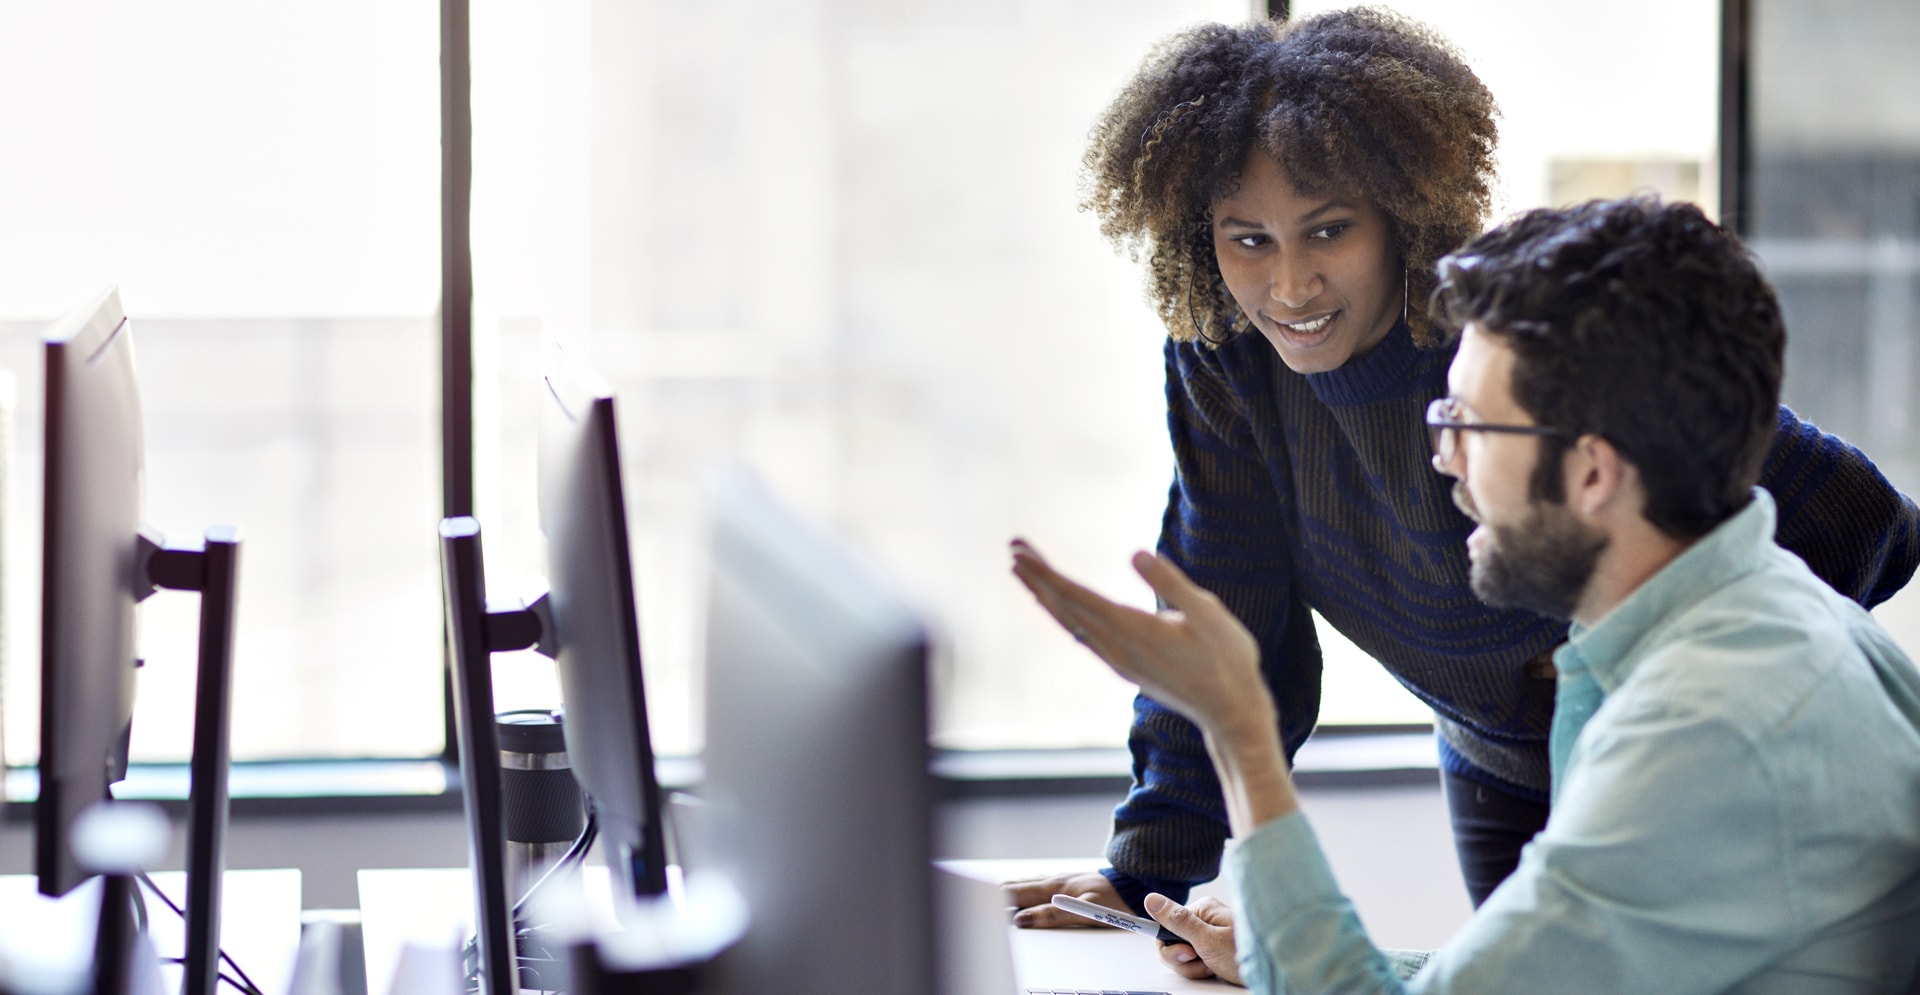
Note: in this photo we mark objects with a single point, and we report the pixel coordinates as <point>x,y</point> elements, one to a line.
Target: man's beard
<point>1542,564</point>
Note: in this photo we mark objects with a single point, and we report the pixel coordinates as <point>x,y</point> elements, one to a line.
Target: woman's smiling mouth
<point>1309,327</point>
<point>1306,332</point>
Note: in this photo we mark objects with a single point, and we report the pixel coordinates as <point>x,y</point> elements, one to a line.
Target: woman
<point>1290,187</point>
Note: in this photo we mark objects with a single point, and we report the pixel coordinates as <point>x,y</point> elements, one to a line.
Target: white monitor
<point>818,796</point>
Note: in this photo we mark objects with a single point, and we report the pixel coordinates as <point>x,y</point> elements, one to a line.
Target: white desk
<point>1095,957</point>
<point>1098,958</point>
<point>434,907</point>
<point>259,925</point>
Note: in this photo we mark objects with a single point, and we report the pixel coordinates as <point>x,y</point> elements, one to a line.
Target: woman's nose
<point>1294,284</point>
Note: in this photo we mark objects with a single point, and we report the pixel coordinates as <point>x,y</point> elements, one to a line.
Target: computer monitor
<point>97,565</point>
<point>818,795</point>
<point>591,597</point>
<point>94,486</point>
<point>586,621</point>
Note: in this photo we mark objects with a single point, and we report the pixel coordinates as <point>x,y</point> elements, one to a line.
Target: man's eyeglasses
<point>1444,427</point>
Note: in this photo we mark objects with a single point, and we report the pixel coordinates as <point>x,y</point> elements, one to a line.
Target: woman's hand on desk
<point>1207,926</point>
<point>1032,899</point>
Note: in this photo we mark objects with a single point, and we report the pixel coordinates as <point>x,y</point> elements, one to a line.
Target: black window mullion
<point>1736,38</point>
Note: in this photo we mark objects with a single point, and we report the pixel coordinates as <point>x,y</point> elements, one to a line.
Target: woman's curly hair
<point>1360,102</point>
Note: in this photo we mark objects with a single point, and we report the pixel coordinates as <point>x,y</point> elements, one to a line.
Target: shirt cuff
<point>1294,923</point>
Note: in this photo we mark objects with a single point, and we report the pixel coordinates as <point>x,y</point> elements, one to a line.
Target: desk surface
<point>434,907</point>
<point>259,925</point>
<point>430,908</point>
<point>1096,957</point>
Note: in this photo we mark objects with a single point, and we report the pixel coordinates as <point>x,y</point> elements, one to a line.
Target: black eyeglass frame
<point>1440,428</point>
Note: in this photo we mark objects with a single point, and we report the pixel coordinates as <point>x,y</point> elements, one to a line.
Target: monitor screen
<point>94,464</point>
<point>818,796</point>
<point>591,596</point>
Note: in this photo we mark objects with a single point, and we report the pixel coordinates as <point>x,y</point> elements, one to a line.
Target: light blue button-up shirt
<point>1740,813</point>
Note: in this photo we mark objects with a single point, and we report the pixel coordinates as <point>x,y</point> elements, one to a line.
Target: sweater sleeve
<point>1839,513</point>
<point>1225,526</point>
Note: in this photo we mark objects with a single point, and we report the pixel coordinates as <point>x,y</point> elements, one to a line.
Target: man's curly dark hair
<point>1358,102</point>
<point>1643,323</point>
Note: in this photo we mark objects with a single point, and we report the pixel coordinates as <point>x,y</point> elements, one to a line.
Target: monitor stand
<point>212,569</point>
<point>474,633</point>
<point>120,841</point>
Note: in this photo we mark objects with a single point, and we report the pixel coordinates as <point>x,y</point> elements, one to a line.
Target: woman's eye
<point>1330,231</point>
<point>1249,241</point>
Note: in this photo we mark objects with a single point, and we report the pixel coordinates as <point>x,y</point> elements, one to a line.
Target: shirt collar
<point>1735,547</point>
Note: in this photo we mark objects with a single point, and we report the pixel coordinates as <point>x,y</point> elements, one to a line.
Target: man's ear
<point>1599,480</point>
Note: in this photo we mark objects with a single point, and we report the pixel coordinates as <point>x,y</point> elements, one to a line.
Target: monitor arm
<point>520,624</point>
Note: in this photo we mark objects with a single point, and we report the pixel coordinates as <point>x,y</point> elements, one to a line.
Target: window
<point>1833,163</point>
<point>262,183</point>
<point>842,245</point>
<point>838,242</point>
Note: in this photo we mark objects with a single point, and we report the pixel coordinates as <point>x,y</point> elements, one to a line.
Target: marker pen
<point>1130,923</point>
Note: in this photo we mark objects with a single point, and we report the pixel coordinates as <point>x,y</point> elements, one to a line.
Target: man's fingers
<point>1082,624</point>
<point>1181,960</point>
<point>1190,959</point>
<point>1168,581</point>
<point>1046,582</point>
<point>1174,916</point>
<point>1079,609</point>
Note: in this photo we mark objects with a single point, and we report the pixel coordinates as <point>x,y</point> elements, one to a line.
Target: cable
<point>139,911</point>
<point>244,984</point>
<point>575,854</point>
<point>223,976</point>
<point>530,954</point>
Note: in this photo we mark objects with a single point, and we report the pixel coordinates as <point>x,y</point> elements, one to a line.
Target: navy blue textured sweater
<point>1315,491</point>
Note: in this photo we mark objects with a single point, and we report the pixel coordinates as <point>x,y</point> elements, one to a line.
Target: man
<point>1736,748</point>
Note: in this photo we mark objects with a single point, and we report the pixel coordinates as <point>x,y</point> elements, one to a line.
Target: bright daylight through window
<point>849,253</point>
<point>261,181</point>
<point>838,241</point>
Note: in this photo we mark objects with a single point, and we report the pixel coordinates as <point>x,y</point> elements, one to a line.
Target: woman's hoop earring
<point>1203,235</point>
<point>1194,319</point>
<point>1200,329</point>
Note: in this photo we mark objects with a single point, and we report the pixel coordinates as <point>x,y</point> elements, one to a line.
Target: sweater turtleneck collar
<point>1380,372</point>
